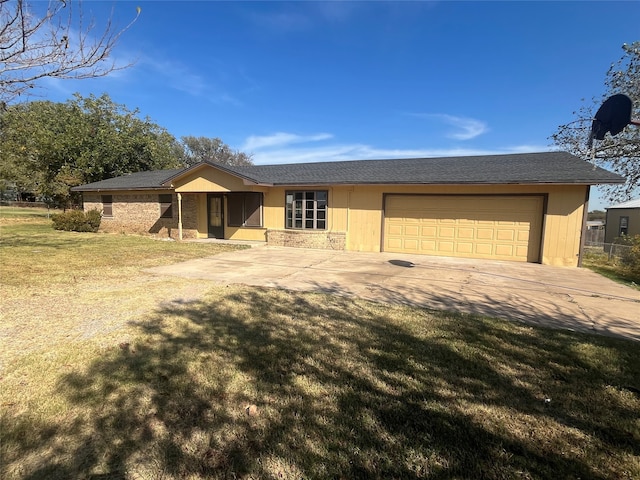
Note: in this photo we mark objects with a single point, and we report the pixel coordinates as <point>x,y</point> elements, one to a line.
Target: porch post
<point>179,216</point>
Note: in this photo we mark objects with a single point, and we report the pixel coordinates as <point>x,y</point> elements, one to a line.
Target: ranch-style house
<point>520,207</point>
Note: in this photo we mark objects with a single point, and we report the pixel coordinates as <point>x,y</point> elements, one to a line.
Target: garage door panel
<point>501,227</point>
<point>445,246</point>
<point>484,249</point>
<point>504,250</point>
<point>503,234</point>
<point>446,232</point>
<point>466,233</point>
<point>412,230</point>
<point>395,229</point>
<point>430,231</point>
<point>464,247</point>
<point>484,233</point>
<point>428,245</point>
<point>394,243</point>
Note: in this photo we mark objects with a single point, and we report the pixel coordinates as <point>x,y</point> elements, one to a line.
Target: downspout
<point>179,216</point>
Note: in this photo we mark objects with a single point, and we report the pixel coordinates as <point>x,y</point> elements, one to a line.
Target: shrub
<point>630,260</point>
<point>77,221</point>
<point>93,219</point>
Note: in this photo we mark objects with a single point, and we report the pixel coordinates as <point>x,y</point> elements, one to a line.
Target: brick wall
<point>139,213</point>
<point>307,239</point>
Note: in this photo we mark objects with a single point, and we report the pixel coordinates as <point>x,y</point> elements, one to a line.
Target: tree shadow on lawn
<point>261,383</point>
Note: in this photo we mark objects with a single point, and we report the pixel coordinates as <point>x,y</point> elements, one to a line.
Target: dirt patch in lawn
<point>65,286</point>
<point>40,319</point>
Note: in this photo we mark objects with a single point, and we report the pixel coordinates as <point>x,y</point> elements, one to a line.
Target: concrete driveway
<point>570,298</point>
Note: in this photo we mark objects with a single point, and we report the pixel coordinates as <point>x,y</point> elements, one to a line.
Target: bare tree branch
<point>622,152</point>
<point>56,44</point>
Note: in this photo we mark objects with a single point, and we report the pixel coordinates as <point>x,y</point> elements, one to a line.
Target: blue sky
<point>321,81</point>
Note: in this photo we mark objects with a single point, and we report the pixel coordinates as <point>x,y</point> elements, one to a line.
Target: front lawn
<point>247,382</point>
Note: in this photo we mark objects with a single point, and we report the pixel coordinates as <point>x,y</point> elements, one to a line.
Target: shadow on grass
<point>261,383</point>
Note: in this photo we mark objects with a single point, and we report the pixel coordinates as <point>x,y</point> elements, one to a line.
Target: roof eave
<point>455,182</point>
<point>118,189</point>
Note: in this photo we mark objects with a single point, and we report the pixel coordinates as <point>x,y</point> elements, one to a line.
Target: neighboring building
<point>622,219</point>
<point>595,225</point>
<point>522,207</point>
<point>594,235</point>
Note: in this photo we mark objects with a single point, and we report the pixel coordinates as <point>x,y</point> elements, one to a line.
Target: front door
<point>216,215</point>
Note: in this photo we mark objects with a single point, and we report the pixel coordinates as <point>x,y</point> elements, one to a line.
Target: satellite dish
<point>612,116</point>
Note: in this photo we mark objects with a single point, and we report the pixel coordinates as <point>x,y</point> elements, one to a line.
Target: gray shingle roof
<point>133,181</point>
<point>629,204</point>
<point>525,168</point>
<point>549,167</point>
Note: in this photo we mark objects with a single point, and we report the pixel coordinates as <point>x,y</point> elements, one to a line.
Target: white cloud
<point>177,75</point>
<point>467,128</point>
<point>302,16</point>
<point>287,21</point>
<point>280,139</point>
<point>278,149</point>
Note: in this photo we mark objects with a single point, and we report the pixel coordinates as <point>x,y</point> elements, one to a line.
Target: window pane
<point>107,205</point>
<point>298,209</point>
<point>289,217</point>
<point>306,209</point>
<point>166,203</point>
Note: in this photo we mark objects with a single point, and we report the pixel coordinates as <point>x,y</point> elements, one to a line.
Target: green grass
<point>24,213</point>
<point>599,262</point>
<point>33,254</point>
<point>261,383</point>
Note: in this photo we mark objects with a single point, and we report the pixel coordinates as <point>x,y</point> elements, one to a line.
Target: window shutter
<point>252,203</point>
<point>235,210</point>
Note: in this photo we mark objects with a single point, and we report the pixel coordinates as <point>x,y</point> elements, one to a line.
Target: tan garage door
<point>497,227</point>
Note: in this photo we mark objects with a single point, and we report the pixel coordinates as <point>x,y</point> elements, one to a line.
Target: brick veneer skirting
<point>307,239</point>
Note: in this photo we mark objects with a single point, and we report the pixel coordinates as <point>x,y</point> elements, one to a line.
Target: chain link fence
<point>614,251</point>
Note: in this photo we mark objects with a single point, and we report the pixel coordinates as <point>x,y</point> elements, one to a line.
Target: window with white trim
<point>624,226</point>
<point>306,209</point>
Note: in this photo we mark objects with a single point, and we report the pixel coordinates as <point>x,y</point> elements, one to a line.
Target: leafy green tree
<point>622,152</point>
<point>48,147</point>
<point>199,149</point>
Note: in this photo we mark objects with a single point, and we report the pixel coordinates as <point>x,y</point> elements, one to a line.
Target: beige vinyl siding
<point>561,227</point>
<point>212,180</point>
